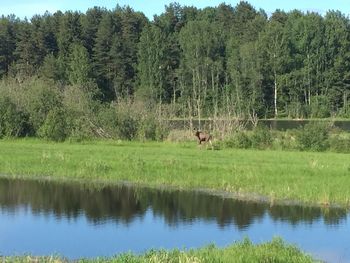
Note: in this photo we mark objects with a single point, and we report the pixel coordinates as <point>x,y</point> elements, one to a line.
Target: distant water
<point>273,124</point>
<point>75,220</point>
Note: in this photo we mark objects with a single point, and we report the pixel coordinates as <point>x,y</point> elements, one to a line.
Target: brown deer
<point>204,137</point>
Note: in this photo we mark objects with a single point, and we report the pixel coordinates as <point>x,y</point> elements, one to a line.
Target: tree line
<point>215,62</point>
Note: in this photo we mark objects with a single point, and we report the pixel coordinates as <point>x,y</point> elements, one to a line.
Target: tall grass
<point>245,251</point>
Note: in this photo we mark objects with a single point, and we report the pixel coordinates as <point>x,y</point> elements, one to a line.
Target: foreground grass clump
<point>309,177</point>
<point>245,251</point>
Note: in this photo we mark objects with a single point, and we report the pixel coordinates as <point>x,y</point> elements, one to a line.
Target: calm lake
<point>77,220</point>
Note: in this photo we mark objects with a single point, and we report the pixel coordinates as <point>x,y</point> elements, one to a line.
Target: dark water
<point>293,124</point>
<point>74,220</point>
<point>273,124</point>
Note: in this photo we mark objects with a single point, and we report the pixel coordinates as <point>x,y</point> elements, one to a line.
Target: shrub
<point>54,127</point>
<point>132,120</point>
<point>284,140</point>
<point>78,106</point>
<point>239,140</point>
<point>80,130</point>
<point>314,136</point>
<point>42,97</point>
<point>147,129</point>
<point>127,126</point>
<point>339,143</point>
<point>119,121</point>
<point>180,136</point>
<point>261,138</point>
<point>107,120</point>
<point>320,107</point>
<point>162,131</point>
<point>13,122</point>
<point>150,128</point>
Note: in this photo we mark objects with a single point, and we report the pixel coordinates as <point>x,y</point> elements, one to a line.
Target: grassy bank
<point>310,177</point>
<point>275,251</point>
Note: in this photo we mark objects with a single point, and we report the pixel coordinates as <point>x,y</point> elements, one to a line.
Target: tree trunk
<point>275,97</point>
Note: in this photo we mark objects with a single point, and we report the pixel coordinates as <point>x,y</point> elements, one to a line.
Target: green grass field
<point>245,251</point>
<point>309,177</point>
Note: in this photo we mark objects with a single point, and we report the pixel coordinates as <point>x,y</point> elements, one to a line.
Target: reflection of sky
<point>23,232</point>
<point>319,239</point>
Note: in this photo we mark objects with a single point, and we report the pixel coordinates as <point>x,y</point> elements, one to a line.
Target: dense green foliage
<point>314,136</point>
<point>245,251</point>
<point>42,108</point>
<point>13,122</point>
<point>310,177</point>
<point>217,61</point>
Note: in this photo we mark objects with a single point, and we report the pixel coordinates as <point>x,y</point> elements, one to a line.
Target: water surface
<point>76,220</point>
<point>280,125</point>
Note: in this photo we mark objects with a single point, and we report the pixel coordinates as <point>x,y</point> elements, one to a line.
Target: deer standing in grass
<point>204,137</point>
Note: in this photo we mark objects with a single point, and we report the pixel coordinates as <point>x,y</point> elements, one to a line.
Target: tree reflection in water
<point>125,203</point>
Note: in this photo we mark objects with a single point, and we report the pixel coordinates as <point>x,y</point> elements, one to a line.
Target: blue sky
<point>27,8</point>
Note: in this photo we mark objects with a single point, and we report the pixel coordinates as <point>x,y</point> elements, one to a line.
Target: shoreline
<point>274,177</point>
<point>245,197</point>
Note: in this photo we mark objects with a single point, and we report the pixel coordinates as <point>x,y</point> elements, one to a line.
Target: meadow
<point>314,178</point>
